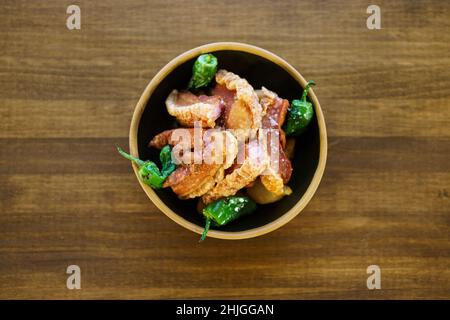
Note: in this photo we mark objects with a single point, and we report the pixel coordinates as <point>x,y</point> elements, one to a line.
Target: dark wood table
<point>66,197</point>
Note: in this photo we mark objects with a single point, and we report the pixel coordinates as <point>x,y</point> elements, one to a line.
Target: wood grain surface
<point>66,197</point>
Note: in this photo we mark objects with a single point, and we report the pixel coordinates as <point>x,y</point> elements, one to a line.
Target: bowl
<point>261,68</point>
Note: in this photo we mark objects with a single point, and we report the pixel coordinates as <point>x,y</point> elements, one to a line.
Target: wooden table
<point>66,197</point>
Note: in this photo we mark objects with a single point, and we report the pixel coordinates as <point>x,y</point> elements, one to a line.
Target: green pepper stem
<point>139,162</point>
<point>308,86</point>
<point>205,231</point>
<point>207,58</point>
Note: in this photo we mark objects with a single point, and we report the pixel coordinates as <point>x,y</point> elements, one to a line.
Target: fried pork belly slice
<point>194,180</point>
<point>254,164</point>
<point>171,137</point>
<point>275,180</point>
<point>188,108</point>
<point>242,107</point>
<point>280,169</point>
<point>227,148</point>
<point>228,97</point>
<point>276,110</point>
<point>285,167</point>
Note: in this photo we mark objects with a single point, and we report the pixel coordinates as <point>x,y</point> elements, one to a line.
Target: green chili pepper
<point>225,210</point>
<point>203,71</point>
<point>300,113</point>
<point>149,172</point>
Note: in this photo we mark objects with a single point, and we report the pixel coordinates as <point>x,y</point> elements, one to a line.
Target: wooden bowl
<point>261,68</point>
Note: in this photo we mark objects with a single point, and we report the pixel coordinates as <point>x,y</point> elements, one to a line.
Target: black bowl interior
<point>259,72</point>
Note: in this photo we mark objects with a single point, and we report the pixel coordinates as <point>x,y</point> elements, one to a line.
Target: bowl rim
<point>229,46</point>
